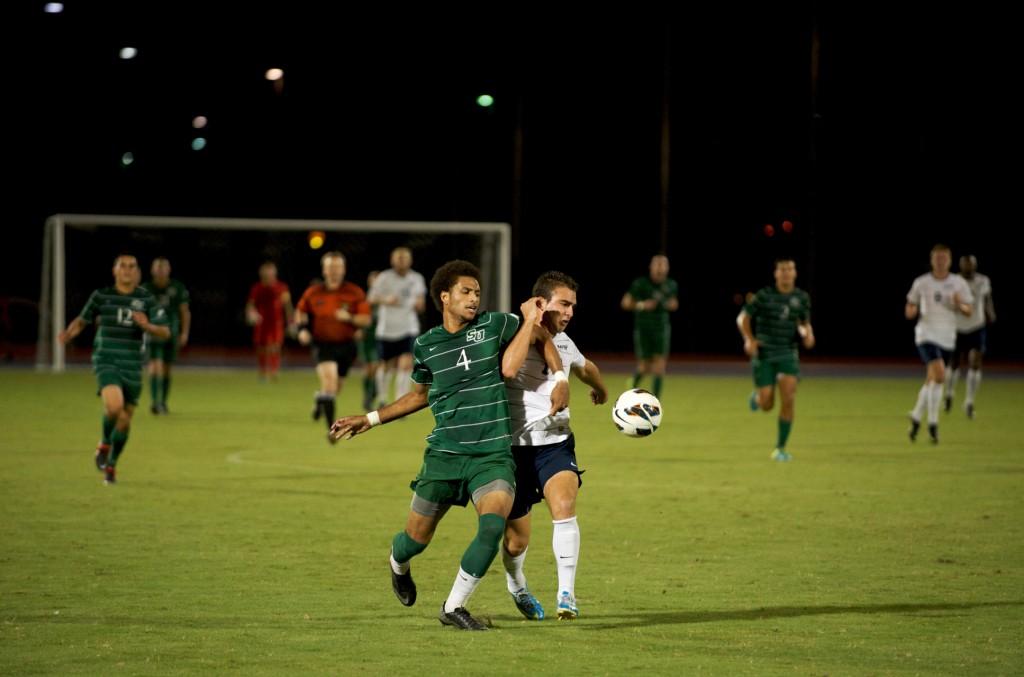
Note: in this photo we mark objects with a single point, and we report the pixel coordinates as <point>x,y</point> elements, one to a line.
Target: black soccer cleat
<point>460,618</point>
<point>915,426</point>
<point>948,404</point>
<point>102,454</point>
<point>109,475</point>
<point>318,409</point>
<point>933,432</point>
<point>404,587</point>
<point>970,411</point>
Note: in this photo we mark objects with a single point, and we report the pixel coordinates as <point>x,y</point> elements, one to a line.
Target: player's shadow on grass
<point>641,619</point>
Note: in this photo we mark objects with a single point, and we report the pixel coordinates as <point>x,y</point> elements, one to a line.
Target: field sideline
<point>239,541</point>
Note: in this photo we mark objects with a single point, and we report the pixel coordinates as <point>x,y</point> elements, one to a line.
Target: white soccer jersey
<point>981,287</point>
<point>529,397</point>
<point>396,322</point>
<point>936,319</point>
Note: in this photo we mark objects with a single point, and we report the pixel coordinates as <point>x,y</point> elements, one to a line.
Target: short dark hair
<point>547,283</point>
<point>783,259</point>
<point>939,247</point>
<point>446,277</point>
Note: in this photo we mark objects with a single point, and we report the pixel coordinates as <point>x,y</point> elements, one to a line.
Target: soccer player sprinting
<point>173,297</point>
<point>779,314</point>
<point>544,449</point>
<point>124,314</point>
<point>934,300</point>
<point>397,294</point>
<point>267,310</point>
<point>971,334</point>
<point>458,374</point>
<point>651,299</point>
<point>329,313</point>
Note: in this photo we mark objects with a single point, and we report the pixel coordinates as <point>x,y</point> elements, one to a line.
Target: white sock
<point>461,591</point>
<point>398,567</point>
<point>934,402</point>
<point>402,382</point>
<point>950,382</point>
<point>514,576</point>
<point>565,541</point>
<point>383,380</point>
<point>922,402</point>
<point>973,381</point>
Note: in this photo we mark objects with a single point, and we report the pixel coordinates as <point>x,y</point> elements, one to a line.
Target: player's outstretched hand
<point>750,347</point>
<point>346,427</point>
<point>559,397</point>
<point>598,396</point>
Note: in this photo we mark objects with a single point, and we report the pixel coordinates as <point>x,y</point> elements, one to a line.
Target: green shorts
<point>367,349</point>
<point>164,350</point>
<point>767,371</point>
<point>448,479</point>
<point>648,343</point>
<point>130,383</point>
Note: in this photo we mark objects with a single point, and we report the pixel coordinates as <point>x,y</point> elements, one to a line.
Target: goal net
<point>218,258</point>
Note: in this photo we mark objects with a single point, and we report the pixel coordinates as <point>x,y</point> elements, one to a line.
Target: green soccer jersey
<point>775,316</point>
<point>467,392</point>
<point>170,299</point>
<point>119,341</point>
<point>643,289</point>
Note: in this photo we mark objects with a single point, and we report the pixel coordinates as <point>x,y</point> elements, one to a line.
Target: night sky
<point>909,135</point>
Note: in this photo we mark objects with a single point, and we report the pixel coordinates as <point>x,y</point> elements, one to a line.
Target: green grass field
<point>239,541</point>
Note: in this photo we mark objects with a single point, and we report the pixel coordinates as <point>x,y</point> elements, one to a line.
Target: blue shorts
<point>975,340</point>
<point>930,352</point>
<point>535,466</point>
<point>387,350</point>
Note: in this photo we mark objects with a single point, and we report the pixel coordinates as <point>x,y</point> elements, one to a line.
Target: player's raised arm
<point>517,348</point>
<point>591,375</point>
<point>411,402</point>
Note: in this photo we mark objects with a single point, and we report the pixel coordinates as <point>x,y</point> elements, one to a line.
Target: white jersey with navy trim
<point>529,396</point>
<point>936,317</point>
<point>981,287</point>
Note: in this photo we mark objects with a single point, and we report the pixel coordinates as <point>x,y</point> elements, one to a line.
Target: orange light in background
<point>787,226</point>
<point>316,239</point>
<point>769,230</point>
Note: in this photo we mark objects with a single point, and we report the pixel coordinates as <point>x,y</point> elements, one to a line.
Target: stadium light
<point>316,239</point>
<point>127,159</point>
<point>199,121</point>
<point>485,100</point>
<point>198,143</point>
<point>53,7</point>
<point>128,53</point>
<point>274,74</point>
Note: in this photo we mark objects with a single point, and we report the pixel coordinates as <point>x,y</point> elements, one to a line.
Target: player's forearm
<point>157,330</point>
<point>362,321</point>
<point>628,303</point>
<point>186,319</point>
<point>515,352</point>
<point>407,404</point>
<point>672,305</point>
<point>551,356</point>
<point>744,326</point>
<point>910,311</point>
<point>990,310</point>
<point>590,375</point>
<point>73,329</point>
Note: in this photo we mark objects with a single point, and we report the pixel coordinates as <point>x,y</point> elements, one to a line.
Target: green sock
<point>657,386</point>
<point>155,388</point>
<point>484,548</point>
<point>117,441</point>
<point>108,427</point>
<point>403,548</point>
<point>166,387</point>
<point>636,379</point>
<point>784,428</point>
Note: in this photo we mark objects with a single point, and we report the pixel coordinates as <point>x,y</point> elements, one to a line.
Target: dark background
<point>909,135</point>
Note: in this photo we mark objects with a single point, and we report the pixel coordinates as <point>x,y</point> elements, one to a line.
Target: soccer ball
<point>637,413</point>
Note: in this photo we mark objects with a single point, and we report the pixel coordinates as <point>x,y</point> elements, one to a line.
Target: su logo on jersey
<point>475,335</point>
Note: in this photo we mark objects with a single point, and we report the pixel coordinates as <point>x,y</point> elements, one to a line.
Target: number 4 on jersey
<point>463,361</point>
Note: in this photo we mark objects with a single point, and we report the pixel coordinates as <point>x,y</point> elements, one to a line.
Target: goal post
<point>70,238</point>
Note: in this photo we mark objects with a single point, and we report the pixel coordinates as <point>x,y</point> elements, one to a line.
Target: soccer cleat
<point>528,605</point>
<point>970,410</point>
<point>109,475</point>
<point>915,426</point>
<point>752,401</point>
<point>162,407</point>
<point>567,610</point>
<point>404,587</point>
<point>154,409</point>
<point>460,618</point>
<point>102,454</point>
<point>317,410</point>
<point>780,455</point>
<point>933,432</point>
<point>948,403</point>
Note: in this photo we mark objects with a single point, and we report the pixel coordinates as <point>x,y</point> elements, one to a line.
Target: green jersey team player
<point>459,371</point>
<point>124,314</point>
<point>651,299</point>
<point>779,314</point>
<point>173,298</point>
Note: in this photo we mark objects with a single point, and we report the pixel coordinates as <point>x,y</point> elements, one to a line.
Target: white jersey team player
<point>399,295</point>
<point>971,334</point>
<point>544,450</point>
<point>935,299</point>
